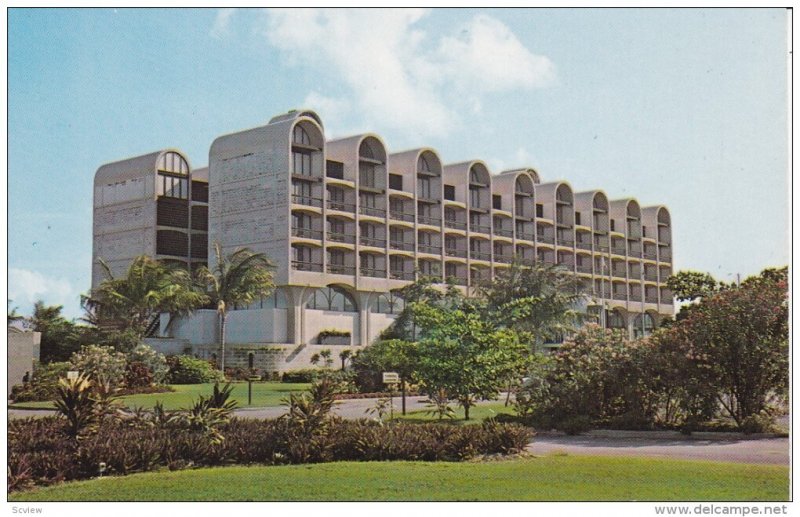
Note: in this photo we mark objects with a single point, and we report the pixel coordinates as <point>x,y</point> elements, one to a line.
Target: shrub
<point>333,333</point>
<point>155,361</point>
<point>240,374</point>
<point>100,363</point>
<point>761,422</point>
<point>184,369</point>
<point>43,384</point>
<point>138,375</point>
<point>307,375</point>
<point>575,424</point>
<point>74,402</point>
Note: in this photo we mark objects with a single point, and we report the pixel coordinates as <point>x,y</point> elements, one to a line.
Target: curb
<point>667,435</point>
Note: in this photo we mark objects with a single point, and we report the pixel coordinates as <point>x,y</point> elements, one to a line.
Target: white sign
<point>72,375</point>
<point>391,378</point>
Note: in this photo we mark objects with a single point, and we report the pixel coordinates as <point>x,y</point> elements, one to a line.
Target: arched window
<point>424,166</point>
<point>301,136</point>
<point>389,303</point>
<point>332,299</point>
<point>643,325</point>
<point>365,151</point>
<point>615,320</point>
<point>474,177</point>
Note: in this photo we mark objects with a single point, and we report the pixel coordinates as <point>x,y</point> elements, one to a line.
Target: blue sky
<point>686,108</point>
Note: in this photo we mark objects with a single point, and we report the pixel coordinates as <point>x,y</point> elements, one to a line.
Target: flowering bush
<point>100,363</point>
<point>155,362</point>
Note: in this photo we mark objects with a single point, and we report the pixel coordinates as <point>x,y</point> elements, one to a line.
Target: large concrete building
<point>346,222</point>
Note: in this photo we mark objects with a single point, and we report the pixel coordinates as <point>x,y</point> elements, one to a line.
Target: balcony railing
<point>428,248</point>
<point>307,200</point>
<point>306,266</point>
<point>341,269</point>
<point>618,250</point>
<point>374,273</point>
<point>651,298</point>
<point>620,296</point>
<point>651,275</point>
<point>451,252</point>
<point>583,245</point>
<point>522,236</point>
<point>543,237</point>
<point>502,232</point>
<point>369,210</point>
<point>401,275</point>
<point>307,233</point>
<point>505,259</point>
<point>635,253</point>
<point>618,274</point>
<point>432,221</point>
<point>525,261</point>
<point>480,255</point>
<point>635,297</point>
<point>401,245</point>
<point>665,256</point>
<point>458,280</point>
<point>480,228</point>
<point>563,241</point>
<point>372,241</point>
<point>401,216</point>
<point>584,268</point>
<point>341,206</point>
<point>341,237</point>
<point>456,225</point>
<point>650,255</point>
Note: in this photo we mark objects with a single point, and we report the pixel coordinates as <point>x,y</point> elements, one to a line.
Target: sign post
<point>250,389</point>
<point>391,378</point>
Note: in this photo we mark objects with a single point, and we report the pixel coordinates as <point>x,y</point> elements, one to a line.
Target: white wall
<point>316,320</point>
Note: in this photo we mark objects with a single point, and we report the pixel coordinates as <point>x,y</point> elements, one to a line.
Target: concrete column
<point>364,300</point>
<point>295,315</point>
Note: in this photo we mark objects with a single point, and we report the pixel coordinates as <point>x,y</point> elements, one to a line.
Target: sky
<point>680,107</point>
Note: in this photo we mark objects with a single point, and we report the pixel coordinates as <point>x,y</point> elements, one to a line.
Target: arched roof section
<point>633,209</point>
<point>351,148</point>
<point>429,161</point>
<point>564,193</point>
<point>618,208</point>
<point>459,173</point>
<point>519,180</point>
<point>479,173</point>
<point>408,162</point>
<point>142,166</point>
<point>297,114</point>
<point>527,170</point>
<point>371,147</point>
<point>590,200</point>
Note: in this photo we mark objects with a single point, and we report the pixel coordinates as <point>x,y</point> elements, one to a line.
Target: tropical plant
<point>691,285</point>
<point>75,403</point>
<point>315,358</point>
<point>236,279</point>
<point>344,355</point>
<point>148,289</point>
<point>59,337</point>
<point>185,369</point>
<point>391,355</point>
<point>153,360</point>
<point>325,355</point>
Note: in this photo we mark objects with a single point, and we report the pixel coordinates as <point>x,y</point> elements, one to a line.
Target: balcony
<point>480,255</point>
<point>651,275</point>
<point>374,273</point>
<point>527,261</point>
<point>341,237</point>
<point>650,298</point>
<point>564,241</point>
<point>584,268</point>
<point>618,250</point>
<point>307,233</point>
<point>401,245</point>
<point>428,248</point>
<point>307,200</point>
<point>650,255</point>
<point>618,273</point>
<point>545,238</point>
<point>457,280</point>
<point>452,252</point>
<point>480,228</point>
<point>636,297</point>
<point>372,241</point>
<point>306,266</point>
<point>341,269</point>
<point>620,296</point>
<point>401,275</point>
<point>502,232</point>
<point>432,221</point>
<point>341,206</point>
<point>455,225</point>
<point>369,210</point>
<point>665,256</point>
<point>635,253</point>
<point>583,245</point>
<point>505,259</point>
<point>401,216</point>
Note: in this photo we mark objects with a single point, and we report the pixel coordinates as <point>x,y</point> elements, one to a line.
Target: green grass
<point>265,394</point>
<point>549,478</point>
<point>477,414</point>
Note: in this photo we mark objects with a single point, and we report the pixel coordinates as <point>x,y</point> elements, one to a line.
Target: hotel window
<point>475,198</point>
<point>301,254</point>
<point>539,210</point>
<point>301,163</point>
<point>171,186</point>
<point>450,192</point>
<point>577,218</point>
<point>301,189</point>
<point>396,181</point>
<point>424,165</point>
<point>424,188</point>
<point>367,175</point>
<point>369,261</point>
<point>497,202</point>
<point>368,200</point>
<point>300,136</point>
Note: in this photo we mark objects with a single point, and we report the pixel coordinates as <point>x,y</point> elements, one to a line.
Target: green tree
<point>691,285</point>
<point>148,289</point>
<point>390,355</point>
<point>314,359</point>
<point>540,302</point>
<point>237,279</point>
<point>60,337</point>
<point>463,354</point>
<point>421,290</point>
<point>739,340</point>
<point>325,354</point>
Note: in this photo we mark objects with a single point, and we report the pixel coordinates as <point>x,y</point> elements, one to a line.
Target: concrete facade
<point>23,353</point>
<point>346,222</point>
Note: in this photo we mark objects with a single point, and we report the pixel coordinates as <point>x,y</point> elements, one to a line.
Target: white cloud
<point>520,159</point>
<point>222,23</point>
<point>399,75</point>
<point>25,287</point>
<point>329,108</point>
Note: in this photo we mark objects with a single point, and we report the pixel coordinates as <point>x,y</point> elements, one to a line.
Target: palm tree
<point>147,289</point>
<point>237,279</point>
<point>344,355</point>
<point>325,354</point>
<point>314,359</point>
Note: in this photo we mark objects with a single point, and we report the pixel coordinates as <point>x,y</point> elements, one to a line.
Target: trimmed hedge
<point>40,453</point>
<point>185,369</point>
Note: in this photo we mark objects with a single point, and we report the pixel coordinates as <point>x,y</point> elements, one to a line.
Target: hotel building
<point>346,222</point>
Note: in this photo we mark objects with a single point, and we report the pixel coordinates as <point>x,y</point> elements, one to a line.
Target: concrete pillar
<point>295,315</point>
<point>364,301</point>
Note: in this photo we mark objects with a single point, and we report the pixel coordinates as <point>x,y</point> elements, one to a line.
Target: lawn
<point>264,394</point>
<point>476,414</point>
<point>549,478</point>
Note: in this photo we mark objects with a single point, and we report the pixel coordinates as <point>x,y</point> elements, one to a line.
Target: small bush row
<point>41,453</point>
